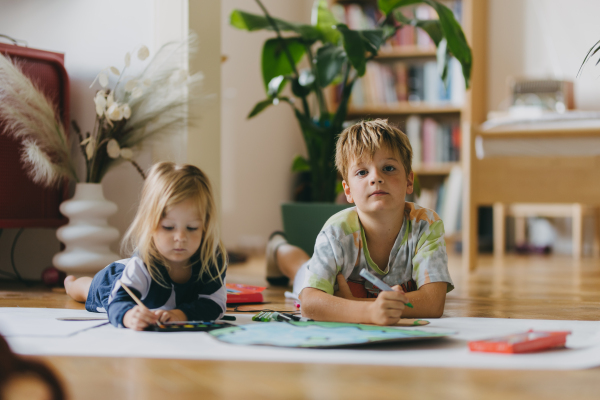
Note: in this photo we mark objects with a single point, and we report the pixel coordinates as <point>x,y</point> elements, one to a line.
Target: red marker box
<point>521,342</point>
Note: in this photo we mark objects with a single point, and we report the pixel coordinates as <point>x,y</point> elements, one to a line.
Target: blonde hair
<point>169,184</point>
<point>365,138</point>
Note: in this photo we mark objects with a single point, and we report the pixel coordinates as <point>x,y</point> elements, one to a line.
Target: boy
<point>406,247</point>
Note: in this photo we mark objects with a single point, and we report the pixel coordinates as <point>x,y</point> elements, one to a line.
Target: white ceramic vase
<point>87,236</point>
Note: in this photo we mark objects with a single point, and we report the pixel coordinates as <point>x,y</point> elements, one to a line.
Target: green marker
<point>379,283</point>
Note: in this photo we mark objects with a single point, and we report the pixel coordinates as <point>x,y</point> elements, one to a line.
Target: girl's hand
<point>170,315</point>
<point>343,288</point>
<point>387,308</point>
<point>139,318</point>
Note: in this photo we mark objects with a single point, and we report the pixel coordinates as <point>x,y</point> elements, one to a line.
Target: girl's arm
<point>171,315</point>
<point>137,279</point>
<point>209,298</point>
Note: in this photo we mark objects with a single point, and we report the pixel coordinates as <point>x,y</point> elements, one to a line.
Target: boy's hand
<point>387,308</point>
<point>343,288</point>
<point>139,318</point>
<point>170,315</point>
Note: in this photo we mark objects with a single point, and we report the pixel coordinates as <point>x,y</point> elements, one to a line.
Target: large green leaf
<point>433,29</point>
<point>431,26</point>
<point>276,85</point>
<point>355,48</point>
<point>443,58</point>
<point>275,61</point>
<point>300,164</point>
<point>254,22</point>
<point>300,87</point>
<point>450,29</point>
<point>457,43</point>
<point>329,61</point>
<point>325,22</point>
<point>387,6</point>
<point>593,50</point>
<point>260,107</point>
<point>373,39</point>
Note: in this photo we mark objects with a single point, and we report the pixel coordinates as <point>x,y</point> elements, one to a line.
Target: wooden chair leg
<point>499,229</point>
<point>470,238</point>
<point>520,230</point>
<point>596,247</point>
<point>577,230</point>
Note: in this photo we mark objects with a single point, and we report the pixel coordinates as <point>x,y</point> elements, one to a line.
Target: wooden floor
<point>538,287</point>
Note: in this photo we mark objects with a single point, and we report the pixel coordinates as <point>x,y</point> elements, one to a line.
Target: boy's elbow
<point>437,313</point>
<point>438,309</point>
<point>309,302</point>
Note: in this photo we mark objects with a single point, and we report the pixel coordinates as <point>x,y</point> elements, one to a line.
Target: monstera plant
<point>335,55</point>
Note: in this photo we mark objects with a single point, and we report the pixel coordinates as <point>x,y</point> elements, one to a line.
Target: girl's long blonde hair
<point>168,184</point>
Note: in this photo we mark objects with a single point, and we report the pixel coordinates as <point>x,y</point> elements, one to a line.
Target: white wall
<point>256,154</point>
<point>543,38</point>
<point>93,35</point>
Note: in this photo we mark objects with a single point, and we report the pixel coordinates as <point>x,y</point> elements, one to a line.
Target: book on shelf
<point>446,200</point>
<point>391,83</point>
<point>433,142</point>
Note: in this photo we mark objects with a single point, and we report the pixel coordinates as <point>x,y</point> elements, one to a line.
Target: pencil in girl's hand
<point>133,296</point>
<point>378,282</point>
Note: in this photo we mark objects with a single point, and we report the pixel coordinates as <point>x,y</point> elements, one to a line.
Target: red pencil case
<point>238,293</point>
<point>521,342</point>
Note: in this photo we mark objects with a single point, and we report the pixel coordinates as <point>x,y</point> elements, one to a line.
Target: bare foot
<point>68,281</point>
<point>78,288</point>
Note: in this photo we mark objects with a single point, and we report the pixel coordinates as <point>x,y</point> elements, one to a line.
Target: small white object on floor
<point>290,295</point>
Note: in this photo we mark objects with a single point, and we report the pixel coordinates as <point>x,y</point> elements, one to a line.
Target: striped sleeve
<point>211,298</point>
<point>135,277</point>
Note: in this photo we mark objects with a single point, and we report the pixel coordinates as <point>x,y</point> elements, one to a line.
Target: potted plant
<point>335,55</point>
<point>130,110</point>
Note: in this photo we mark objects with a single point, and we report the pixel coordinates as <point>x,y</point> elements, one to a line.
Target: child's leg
<point>290,258</point>
<point>78,288</point>
<point>283,259</point>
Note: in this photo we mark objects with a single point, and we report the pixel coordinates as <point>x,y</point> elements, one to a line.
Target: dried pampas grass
<point>31,118</point>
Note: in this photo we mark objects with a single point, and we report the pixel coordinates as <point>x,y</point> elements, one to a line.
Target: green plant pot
<point>302,222</point>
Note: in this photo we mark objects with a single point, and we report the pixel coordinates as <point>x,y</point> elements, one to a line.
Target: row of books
<point>391,83</point>
<point>446,200</point>
<point>433,141</point>
<point>366,16</point>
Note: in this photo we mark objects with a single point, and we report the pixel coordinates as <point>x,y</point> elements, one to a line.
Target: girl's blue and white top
<point>201,299</point>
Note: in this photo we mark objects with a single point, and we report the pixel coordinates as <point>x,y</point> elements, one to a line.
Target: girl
<point>178,264</point>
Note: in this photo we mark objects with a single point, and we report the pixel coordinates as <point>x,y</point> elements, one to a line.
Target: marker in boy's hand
<point>388,307</point>
<point>385,309</point>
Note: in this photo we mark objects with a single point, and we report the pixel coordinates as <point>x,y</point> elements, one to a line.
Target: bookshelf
<point>402,84</point>
<point>404,108</point>
<point>407,51</point>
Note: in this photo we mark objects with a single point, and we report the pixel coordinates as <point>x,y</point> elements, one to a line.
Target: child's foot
<point>274,275</point>
<point>68,281</point>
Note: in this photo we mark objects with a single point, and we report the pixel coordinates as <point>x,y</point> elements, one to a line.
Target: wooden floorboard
<point>537,287</point>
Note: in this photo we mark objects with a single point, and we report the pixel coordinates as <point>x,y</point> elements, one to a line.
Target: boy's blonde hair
<point>366,137</point>
<point>168,184</point>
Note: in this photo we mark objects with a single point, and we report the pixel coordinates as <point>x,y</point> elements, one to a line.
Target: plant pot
<point>87,236</point>
<point>302,222</point>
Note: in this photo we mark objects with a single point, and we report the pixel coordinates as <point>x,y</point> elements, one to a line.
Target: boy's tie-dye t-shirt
<point>418,256</point>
